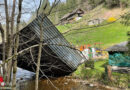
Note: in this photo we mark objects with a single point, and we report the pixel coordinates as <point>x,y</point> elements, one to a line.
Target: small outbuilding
<point>118,55</point>
<point>57,59</point>
<point>69,17</point>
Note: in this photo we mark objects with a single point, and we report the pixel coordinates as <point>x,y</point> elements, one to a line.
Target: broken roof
<point>76,11</point>
<point>57,56</point>
<point>51,35</point>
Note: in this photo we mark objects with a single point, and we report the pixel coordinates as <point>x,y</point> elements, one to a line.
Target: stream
<point>25,81</point>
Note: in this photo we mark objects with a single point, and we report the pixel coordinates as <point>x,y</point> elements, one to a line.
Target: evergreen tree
<point>94,3</point>
<point>124,3</point>
<point>112,3</point>
<point>71,4</point>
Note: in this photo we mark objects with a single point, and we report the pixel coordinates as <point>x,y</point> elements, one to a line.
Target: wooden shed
<point>57,58</point>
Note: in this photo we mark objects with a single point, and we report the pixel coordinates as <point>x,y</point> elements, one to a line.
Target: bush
<point>111,19</point>
<point>112,3</point>
<point>117,3</point>
<point>90,64</point>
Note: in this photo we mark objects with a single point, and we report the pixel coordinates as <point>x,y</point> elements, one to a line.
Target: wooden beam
<point>120,69</point>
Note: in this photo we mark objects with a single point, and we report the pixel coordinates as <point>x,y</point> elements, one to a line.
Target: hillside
<point>107,34</point>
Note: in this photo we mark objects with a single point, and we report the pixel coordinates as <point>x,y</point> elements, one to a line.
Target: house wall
<point>119,59</point>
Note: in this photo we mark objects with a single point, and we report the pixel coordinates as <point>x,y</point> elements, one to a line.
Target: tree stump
<point>109,72</point>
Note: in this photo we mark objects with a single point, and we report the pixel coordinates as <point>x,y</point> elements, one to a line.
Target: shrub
<point>90,64</point>
<point>111,19</point>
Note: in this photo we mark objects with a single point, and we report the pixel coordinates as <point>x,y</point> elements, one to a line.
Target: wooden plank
<point>121,69</point>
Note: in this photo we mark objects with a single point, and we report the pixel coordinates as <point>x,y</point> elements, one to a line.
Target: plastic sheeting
<point>119,59</point>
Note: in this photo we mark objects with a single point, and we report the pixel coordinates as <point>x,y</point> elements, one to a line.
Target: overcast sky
<point>29,6</point>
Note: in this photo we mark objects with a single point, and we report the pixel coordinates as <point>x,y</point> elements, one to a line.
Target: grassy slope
<point>91,73</point>
<point>98,75</point>
<point>107,35</point>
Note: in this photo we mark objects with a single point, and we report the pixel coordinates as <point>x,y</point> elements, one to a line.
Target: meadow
<point>107,35</point>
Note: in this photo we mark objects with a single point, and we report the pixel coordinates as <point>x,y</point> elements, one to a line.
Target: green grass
<point>98,74</point>
<point>108,35</point>
<point>83,72</point>
<point>99,65</point>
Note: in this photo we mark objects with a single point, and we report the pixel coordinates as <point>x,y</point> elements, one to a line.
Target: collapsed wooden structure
<point>57,59</point>
<point>70,16</point>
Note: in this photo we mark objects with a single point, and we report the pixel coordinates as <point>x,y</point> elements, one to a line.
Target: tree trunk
<point>11,42</point>
<point>39,56</point>
<point>109,73</point>
<point>56,15</point>
<point>16,46</point>
<point>3,47</point>
<point>8,44</point>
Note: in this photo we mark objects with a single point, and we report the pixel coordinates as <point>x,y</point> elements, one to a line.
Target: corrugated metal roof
<point>51,35</point>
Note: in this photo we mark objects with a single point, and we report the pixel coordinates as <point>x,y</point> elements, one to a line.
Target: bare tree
<point>10,42</point>
<point>16,46</point>
<point>7,38</point>
<point>41,38</point>
<point>3,45</point>
<point>13,41</point>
